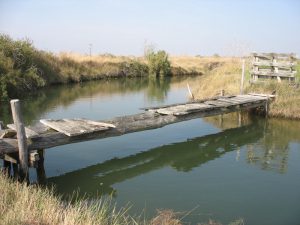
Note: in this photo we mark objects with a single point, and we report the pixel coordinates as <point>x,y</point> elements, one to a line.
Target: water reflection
<point>98,179</point>
<point>265,145</point>
<point>43,101</point>
<point>270,152</point>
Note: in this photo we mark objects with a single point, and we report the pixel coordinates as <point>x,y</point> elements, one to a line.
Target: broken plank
<point>29,133</point>
<point>8,145</point>
<point>75,127</point>
<point>218,103</point>
<point>183,109</point>
<point>7,133</point>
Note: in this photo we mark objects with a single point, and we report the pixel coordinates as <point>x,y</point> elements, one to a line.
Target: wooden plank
<point>29,133</point>
<point>219,103</point>
<point>176,104</point>
<point>7,133</point>
<point>286,65</point>
<point>182,109</point>
<point>272,55</point>
<point>270,73</point>
<point>246,99</point>
<point>265,96</point>
<point>75,127</point>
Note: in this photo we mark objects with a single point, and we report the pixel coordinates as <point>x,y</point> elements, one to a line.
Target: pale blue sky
<point>188,27</point>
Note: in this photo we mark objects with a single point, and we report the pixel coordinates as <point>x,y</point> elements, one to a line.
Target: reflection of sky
<point>119,104</point>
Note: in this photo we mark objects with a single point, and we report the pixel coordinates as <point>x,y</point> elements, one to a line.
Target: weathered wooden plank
<point>244,99</point>
<point>8,145</point>
<point>7,133</point>
<point>274,55</point>
<point>74,127</point>
<point>183,109</point>
<point>219,103</point>
<point>29,133</point>
<point>273,64</point>
<point>264,96</point>
<point>176,104</point>
<point>270,73</point>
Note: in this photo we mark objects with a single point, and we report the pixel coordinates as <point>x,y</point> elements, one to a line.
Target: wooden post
<point>243,77</point>
<point>40,170</point>
<point>240,119</point>
<point>190,92</point>
<point>6,167</point>
<point>222,93</point>
<point>267,108</point>
<point>22,141</point>
<point>15,171</point>
<point>6,164</point>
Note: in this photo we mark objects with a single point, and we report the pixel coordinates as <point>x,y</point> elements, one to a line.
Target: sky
<point>180,27</point>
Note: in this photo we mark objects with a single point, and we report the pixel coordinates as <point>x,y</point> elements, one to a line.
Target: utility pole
<point>90,48</point>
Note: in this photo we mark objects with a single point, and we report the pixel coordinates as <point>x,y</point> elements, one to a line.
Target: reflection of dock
<point>180,156</point>
<point>153,118</point>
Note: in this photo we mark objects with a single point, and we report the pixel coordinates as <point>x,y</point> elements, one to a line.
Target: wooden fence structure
<point>272,65</point>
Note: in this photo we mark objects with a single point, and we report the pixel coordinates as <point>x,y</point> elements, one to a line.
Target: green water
<point>204,168</point>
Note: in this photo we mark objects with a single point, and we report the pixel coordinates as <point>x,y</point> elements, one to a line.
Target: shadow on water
<point>270,152</point>
<point>45,100</point>
<point>98,179</point>
<point>266,144</point>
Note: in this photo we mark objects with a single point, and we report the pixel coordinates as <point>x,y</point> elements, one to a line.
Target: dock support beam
<point>40,170</point>
<point>22,140</point>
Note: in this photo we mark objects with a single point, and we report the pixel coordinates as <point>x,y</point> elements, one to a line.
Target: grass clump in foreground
<point>24,205</point>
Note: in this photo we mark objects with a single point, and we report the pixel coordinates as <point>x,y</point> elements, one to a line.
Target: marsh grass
<point>227,76</point>
<point>22,204</point>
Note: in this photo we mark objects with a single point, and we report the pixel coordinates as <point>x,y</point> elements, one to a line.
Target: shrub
<point>18,70</point>
<point>158,62</point>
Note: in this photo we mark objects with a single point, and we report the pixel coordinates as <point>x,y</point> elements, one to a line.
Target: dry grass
<point>196,65</point>
<point>227,76</point>
<point>224,76</point>
<point>287,102</point>
<point>105,58</point>
<point>22,204</point>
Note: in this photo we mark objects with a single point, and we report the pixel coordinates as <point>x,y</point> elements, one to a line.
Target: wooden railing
<point>272,65</point>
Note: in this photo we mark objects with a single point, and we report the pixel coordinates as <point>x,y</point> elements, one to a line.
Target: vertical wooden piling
<point>6,167</point>
<point>190,92</point>
<point>40,170</point>
<point>243,77</point>
<point>15,171</point>
<point>6,164</point>
<point>22,141</point>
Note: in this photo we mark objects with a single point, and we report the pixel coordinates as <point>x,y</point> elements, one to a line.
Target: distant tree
<point>158,62</point>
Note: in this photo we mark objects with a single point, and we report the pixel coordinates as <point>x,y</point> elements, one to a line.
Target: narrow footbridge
<point>50,133</point>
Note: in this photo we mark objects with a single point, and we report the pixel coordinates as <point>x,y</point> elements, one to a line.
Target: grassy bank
<point>24,68</point>
<point>227,76</point>
<point>21,204</point>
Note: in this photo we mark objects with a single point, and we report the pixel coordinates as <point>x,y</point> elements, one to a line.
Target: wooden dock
<point>50,133</point>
